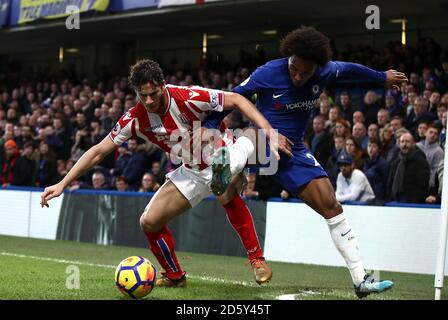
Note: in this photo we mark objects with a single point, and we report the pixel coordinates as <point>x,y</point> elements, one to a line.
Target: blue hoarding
<point>4,12</point>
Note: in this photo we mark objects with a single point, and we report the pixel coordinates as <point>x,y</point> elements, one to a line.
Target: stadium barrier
<point>112,218</point>
<point>392,238</point>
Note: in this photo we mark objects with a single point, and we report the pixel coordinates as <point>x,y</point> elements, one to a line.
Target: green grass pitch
<point>37,269</point>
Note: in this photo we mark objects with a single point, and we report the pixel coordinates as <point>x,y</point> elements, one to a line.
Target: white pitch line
<point>295,295</point>
<point>75,262</point>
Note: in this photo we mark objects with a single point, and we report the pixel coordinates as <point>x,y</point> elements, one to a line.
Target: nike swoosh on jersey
<point>275,96</point>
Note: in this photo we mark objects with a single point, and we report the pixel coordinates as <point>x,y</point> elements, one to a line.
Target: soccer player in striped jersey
<point>164,114</point>
<point>288,91</point>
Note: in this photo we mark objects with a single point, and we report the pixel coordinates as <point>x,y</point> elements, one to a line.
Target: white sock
<point>345,241</point>
<point>240,151</point>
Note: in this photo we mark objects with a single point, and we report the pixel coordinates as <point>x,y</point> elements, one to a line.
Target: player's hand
<point>50,193</point>
<point>277,142</point>
<point>284,145</point>
<point>395,78</point>
<point>284,194</point>
<point>431,199</point>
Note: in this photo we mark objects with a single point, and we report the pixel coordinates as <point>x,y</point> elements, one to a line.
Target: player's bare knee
<point>331,209</point>
<point>334,209</point>
<point>227,196</point>
<point>147,224</point>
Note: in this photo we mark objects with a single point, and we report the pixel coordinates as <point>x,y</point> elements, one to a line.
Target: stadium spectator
<point>121,184</point>
<point>359,133</point>
<point>25,168</point>
<point>81,144</point>
<point>358,117</point>
<point>324,108</point>
<point>434,101</point>
<point>53,141</point>
<point>98,182</point>
<point>346,106</point>
<point>149,183</point>
<point>353,148</point>
<point>341,128</point>
<point>442,136</point>
<point>419,114</point>
<point>435,193</point>
<point>434,153</point>
<point>373,132</point>
<point>320,140</point>
<point>333,116</point>
<point>331,166</point>
<point>393,153</point>
<point>387,141</point>
<point>120,163</point>
<point>376,170</point>
<point>158,172</point>
<point>408,179</point>
<point>392,106</point>
<point>420,134</point>
<point>262,187</point>
<point>62,135</point>
<point>370,108</point>
<point>136,165</point>
<point>47,172</point>
<point>441,109</point>
<point>383,118</point>
<point>396,123</point>
<point>352,184</point>
<point>8,162</point>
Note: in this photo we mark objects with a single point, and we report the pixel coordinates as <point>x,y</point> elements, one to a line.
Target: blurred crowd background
<point>47,121</point>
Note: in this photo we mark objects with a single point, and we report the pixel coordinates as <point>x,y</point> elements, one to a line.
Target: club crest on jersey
<point>315,89</point>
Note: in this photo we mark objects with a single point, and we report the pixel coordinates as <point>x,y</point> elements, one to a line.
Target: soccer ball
<point>135,277</point>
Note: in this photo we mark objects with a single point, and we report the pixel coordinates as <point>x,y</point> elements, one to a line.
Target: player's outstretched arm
<point>234,100</point>
<point>89,159</point>
<point>348,72</point>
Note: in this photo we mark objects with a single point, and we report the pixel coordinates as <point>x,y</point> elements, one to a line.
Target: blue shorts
<point>295,172</point>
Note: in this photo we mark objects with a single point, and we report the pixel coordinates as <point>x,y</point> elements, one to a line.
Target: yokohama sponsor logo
<point>310,104</point>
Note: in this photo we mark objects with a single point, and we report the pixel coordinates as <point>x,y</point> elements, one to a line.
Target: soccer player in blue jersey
<point>287,91</point>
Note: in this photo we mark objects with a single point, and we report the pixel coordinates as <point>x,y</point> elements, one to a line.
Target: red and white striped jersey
<point>185,105</point>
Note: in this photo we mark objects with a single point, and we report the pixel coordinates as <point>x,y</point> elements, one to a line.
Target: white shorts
<point>195,185</point>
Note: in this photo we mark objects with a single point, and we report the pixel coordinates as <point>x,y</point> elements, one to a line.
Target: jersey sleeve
<point>251,85</point>
<point>339,72</point>
<point>206,99</point>
<point>123,129</point>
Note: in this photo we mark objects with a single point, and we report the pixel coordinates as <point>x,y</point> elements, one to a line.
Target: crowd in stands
<point>387,146</point>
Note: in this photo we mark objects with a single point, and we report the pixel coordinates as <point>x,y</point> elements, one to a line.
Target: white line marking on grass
<point>57,260</point>
<point>204,278</point>
<point>294,295</point>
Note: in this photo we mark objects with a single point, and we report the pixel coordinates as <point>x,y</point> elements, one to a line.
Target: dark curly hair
<point>144,71</point>
<point>307,43</point>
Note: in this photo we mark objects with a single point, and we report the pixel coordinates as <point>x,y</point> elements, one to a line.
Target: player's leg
<point>319,195</point>
<point>241,220</point>
<point>228,161</point>
<point>165,205</point>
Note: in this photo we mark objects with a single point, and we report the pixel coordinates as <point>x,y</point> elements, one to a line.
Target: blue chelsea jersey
<point>288,107</point>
